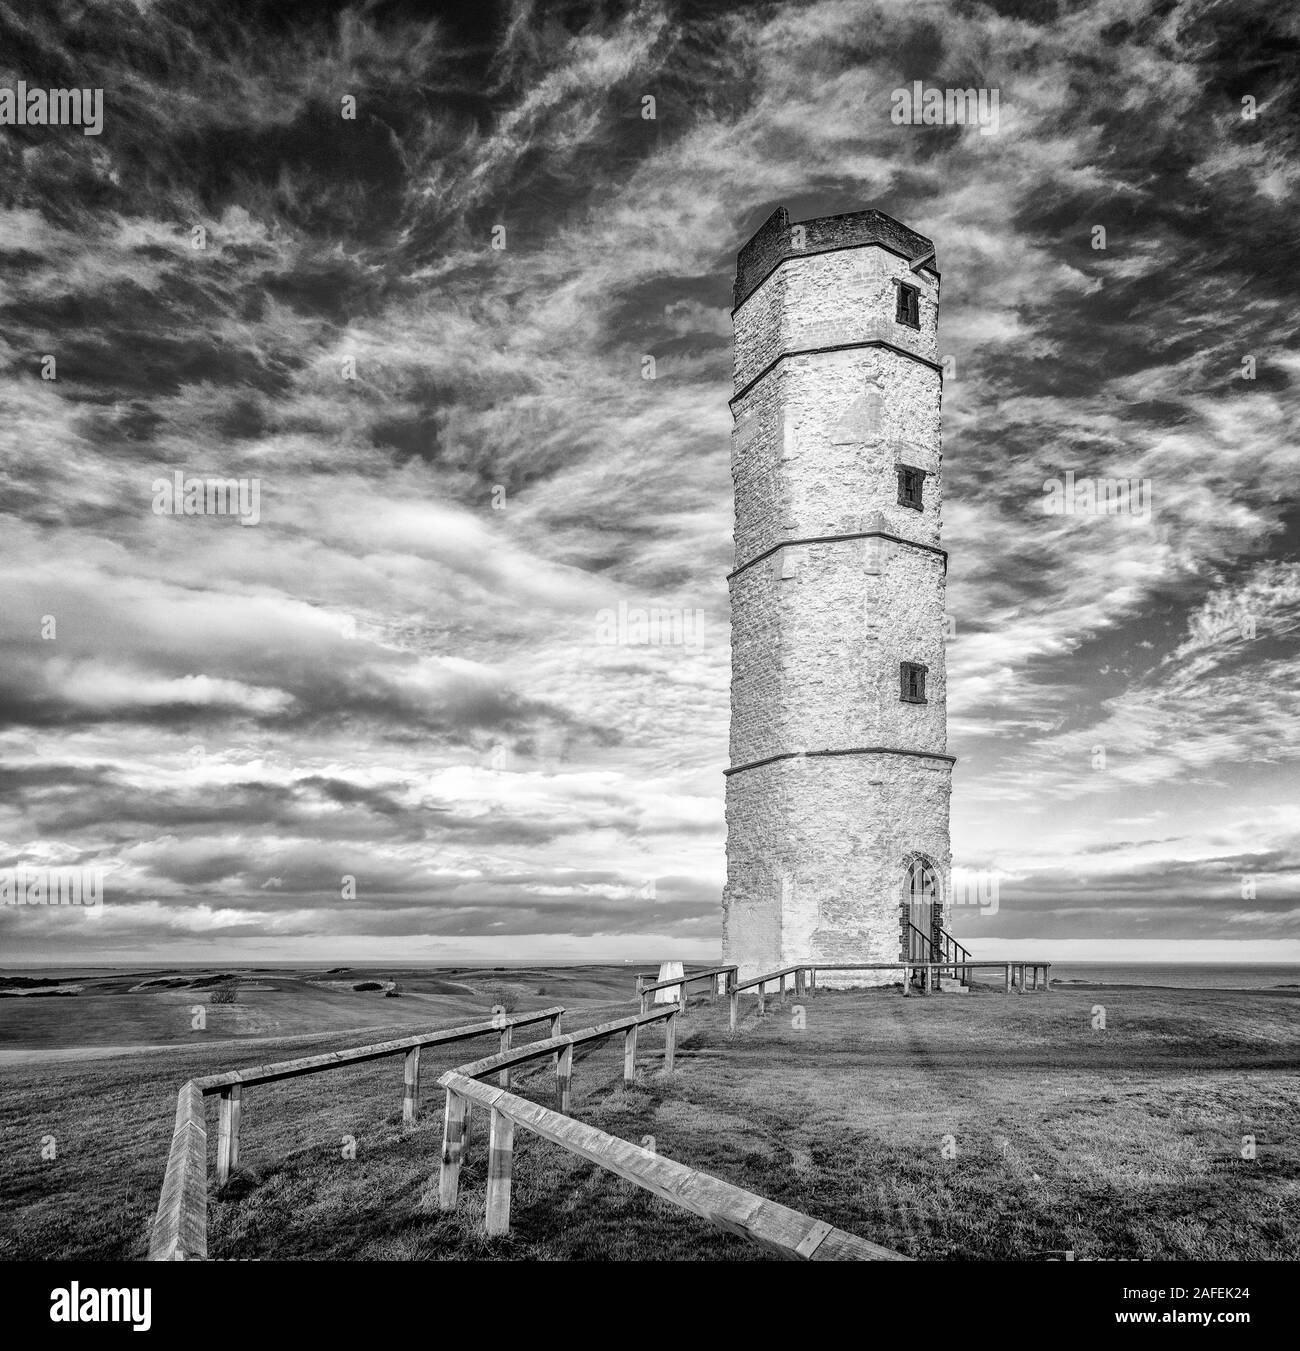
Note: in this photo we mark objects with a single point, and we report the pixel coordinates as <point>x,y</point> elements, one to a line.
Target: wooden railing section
<point>789,1233</point>
<point>680,983</point>
<point>180,1227</point>
<point>557,1046</point>
<point>805,977</point>
<point>786,1232</point>
<point>455,1131</point>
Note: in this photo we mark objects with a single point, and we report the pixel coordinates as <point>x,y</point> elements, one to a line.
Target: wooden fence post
<point>228,1133</point>
<point>735,1000</point>
<point>644,997</point>
<point>812,979</point>
<point>453,1148</point>
<point>1047,976</point>
<point>629,1055</point>
<point>555,1032</point>
<point>682,996</point>
<point>500,1164</point>
<point>907,980</point>
<point>563,1076</point>
<point>504,1077</point>
<point>762,999</point>
<point>1006,987</point>
<point>670,1041</point>
<point>411,1092</point>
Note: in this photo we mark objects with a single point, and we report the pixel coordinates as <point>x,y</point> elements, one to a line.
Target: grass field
<point>970,1126</point>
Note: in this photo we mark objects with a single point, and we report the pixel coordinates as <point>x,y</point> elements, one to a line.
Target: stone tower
<point>839,785</point>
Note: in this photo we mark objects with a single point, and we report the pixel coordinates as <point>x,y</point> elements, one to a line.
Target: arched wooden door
<point>920,896</point>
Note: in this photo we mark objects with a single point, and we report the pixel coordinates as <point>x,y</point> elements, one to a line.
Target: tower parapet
<point>773,242</point>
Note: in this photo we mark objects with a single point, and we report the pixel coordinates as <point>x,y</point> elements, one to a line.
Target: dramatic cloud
<point>423,331</point>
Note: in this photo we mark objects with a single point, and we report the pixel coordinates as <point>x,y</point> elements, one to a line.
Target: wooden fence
<point>455,1131</point>
<point>805,977</point>
<point>644,989</point>
<point>180,1227</point>
<point>789,1233</point>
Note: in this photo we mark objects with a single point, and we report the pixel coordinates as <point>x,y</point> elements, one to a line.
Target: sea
<point>1178,975</point>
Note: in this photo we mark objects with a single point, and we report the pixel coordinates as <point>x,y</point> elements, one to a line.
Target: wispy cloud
<point>400,673</point>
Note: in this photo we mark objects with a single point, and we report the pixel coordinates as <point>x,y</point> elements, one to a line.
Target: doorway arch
<point>921,911</point>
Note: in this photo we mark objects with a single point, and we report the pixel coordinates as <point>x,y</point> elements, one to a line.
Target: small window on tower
<point>912,680</point>
<point>910,482</point>
<point>909,305</point>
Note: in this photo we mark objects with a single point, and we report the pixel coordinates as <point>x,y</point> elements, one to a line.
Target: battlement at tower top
<point>772,243</point>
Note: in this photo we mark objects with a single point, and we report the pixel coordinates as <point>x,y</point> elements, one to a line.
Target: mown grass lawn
<point>965,1127</point>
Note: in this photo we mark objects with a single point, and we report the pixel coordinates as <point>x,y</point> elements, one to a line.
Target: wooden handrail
<point>455,1132</point>
<point>180,1224</point>
<point>289,1069</point>
<point>787,1232</point>
<point>538,1050</point>
<point>686,979</point>
<point>894,966</point>
<point>180,1227</point>
<point>771,975</point>
<point>906,966</point>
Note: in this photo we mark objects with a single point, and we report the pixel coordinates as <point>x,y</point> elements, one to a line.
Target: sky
<point>397,716</point>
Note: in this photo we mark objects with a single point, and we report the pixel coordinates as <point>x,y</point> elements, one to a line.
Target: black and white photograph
<point>650,631</point>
